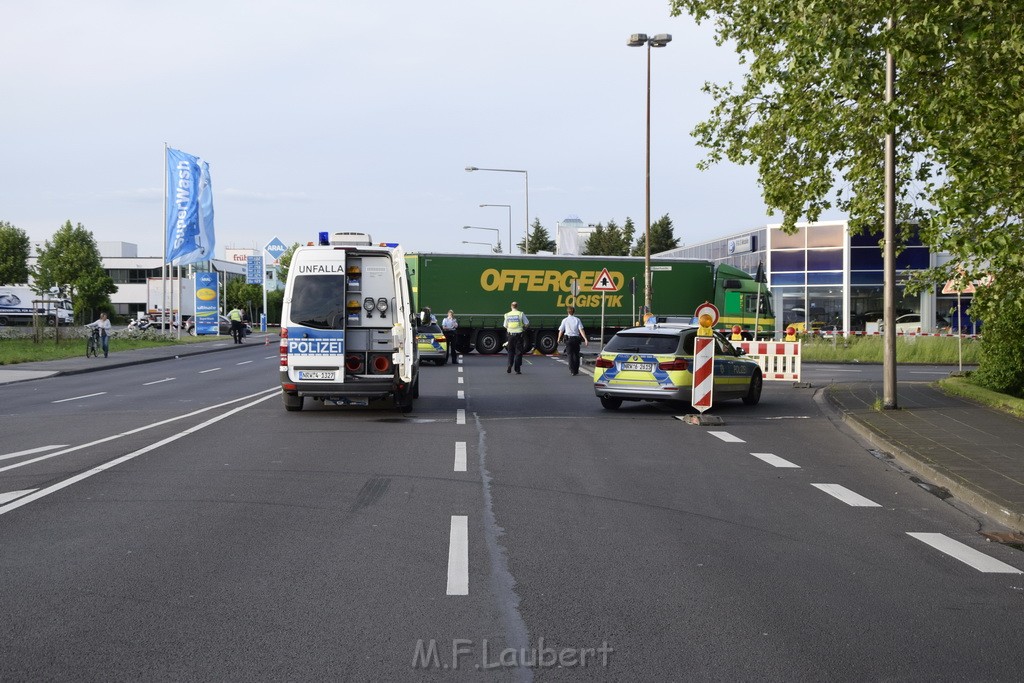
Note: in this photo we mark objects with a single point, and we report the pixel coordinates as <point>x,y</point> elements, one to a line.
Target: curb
<point>961,491</point>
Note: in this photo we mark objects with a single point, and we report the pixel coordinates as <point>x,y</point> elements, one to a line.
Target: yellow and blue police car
<point>655,363</point>
<point>431,343</point>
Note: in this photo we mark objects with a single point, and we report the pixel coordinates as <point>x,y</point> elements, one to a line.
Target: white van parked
<point>348,330</point>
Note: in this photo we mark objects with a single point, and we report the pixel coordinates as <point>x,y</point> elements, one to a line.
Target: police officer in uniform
<point>235,316</point>
<point>571,329</point>
<point>516,323</point>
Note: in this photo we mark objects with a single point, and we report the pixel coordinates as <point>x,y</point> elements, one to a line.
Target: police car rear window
<point>643,343</point>
<point>318,301</point>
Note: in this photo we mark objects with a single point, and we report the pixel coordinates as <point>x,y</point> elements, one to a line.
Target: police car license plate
<point>317,374</point>
<point>638,367</point>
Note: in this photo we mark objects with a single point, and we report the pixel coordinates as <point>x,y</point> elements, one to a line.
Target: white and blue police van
<point>348,329</point>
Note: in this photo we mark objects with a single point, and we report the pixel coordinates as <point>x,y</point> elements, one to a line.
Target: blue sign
<point>275,248</point>
<point>207,304</point>
<point>254,270</point>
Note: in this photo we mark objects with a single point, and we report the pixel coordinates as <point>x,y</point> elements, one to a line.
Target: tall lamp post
<point>497,249</point>
<point>486,244</point>
<point>639,40</point>
<point>527,176</point>
<point>509,207</point>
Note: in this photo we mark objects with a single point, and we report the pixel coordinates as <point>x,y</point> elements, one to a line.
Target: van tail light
<point>284,348</point>
<point>380,363</point>
<point>674,365</point>
<point>603,362</point>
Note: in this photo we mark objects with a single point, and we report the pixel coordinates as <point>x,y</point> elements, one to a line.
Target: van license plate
<point>638,367</point>
<point>322,375</point>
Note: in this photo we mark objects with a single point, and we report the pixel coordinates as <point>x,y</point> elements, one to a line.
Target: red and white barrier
<point>778,360</point>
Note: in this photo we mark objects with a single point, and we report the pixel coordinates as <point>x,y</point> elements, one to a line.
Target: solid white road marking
<point>774,460</point>
<point>460,456</point>
<point>460,416</point>
<point>31,451</point>
<point>165,379</point>
<point>203,372</point>
<point>99,393</point>
<point>727,437</point>
<point>966,554</point>
<point>847,496</point>
<point>11,495</point>
<point>458,556</point>
<point>4,509</point>
<point>461,394</point>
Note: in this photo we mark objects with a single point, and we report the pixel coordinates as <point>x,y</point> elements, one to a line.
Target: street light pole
<point>638,40</point>
<point>486,244</point>
<point>496,232</point>
<point>509,207</point>
<point>526,244</point>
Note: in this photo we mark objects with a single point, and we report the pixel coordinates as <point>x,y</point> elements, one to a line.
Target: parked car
<point>431,343</point>
<point>224,328</point>
<point>654,364</point>
<point>910,323</point>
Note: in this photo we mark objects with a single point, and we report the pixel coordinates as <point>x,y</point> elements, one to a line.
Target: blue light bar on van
<point>389,245</point>
<point>325,239</point>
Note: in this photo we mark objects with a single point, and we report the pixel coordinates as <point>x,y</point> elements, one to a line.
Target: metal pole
<point>647,192</point>
<point>889,249</point>
<point>527,245</point>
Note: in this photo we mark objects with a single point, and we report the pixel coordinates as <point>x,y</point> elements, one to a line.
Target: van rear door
<point>403,331</point>
<point>316,316</point>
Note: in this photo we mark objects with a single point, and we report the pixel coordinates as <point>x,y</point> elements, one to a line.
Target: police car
<point>431,343</point>
<point>654,364</point>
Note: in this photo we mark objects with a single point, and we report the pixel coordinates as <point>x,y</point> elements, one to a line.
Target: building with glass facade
<point>821,277</point>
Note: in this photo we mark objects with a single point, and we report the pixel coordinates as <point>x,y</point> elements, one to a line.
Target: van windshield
<point>319,301</point>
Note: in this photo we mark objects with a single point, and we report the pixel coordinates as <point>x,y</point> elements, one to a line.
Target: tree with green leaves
<point>248,297</point>
<point>71,261</point>
<point>810,114</point>
<point>611,240</point>
<point>540,240</point>
<point>284,262</point>
<point>15,249</point>
<point>662,237</point>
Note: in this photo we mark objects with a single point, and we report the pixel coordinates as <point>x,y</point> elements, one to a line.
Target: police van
<point>348,329</point>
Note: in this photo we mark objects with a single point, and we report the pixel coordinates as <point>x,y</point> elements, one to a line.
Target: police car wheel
<point>610,402</point>
<point>754,392</point>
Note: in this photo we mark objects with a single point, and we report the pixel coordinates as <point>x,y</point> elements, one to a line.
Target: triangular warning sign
<point>604,282</point>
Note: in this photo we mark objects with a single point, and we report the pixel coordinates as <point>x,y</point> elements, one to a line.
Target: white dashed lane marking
<point>966,554</point>
<point>727,437</point>
<point>460,416</point>
<point>458,556</point>
<point>460,456</point>
<point>846,495</point>
<point>774,460</point>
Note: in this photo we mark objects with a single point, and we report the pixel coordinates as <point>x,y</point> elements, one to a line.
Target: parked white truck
<point>174,294</point>
<point>19,303</point>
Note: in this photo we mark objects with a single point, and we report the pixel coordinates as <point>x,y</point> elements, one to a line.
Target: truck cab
<point>348,327</point>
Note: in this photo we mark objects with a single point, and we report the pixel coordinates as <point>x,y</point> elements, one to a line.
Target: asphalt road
<point>173,522</point>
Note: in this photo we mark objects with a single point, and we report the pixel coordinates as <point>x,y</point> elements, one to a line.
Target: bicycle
<point>92,346</point>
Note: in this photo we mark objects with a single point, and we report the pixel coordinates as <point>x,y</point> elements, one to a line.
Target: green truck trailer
<point>481,288</point>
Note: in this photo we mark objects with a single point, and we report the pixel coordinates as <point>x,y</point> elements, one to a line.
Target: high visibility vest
<point>514,322</point>
<point>235,315</point>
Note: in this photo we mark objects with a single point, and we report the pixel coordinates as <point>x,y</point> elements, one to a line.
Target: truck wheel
<point>546,342</point>
<point>292,403</point>
<point>463,347</point>
<point>51,322</point>
<point>3,321</point>
<point>488,341</point>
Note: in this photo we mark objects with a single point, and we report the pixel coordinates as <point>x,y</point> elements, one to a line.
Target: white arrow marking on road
<point>31,451</point>
<point>460,456</point>
<point>847,496</point>
<point>966,554</point>
<point>774,460</point>
<point>11,495</point>
<point>727,437</point>
<point>458,556</point>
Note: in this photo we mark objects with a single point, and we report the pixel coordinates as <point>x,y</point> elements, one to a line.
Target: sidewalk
<point>974,452</point>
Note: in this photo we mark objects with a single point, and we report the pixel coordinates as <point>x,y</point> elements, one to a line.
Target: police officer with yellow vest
<point>235,316</point>
<point>516,323</point>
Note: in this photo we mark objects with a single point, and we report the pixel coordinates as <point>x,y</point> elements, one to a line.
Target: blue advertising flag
<point>190,237</point>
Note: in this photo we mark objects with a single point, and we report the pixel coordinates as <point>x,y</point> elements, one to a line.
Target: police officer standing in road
<point>235,316</point>
<point>516,323</point>
<point>449,324</point>
<point>571,329</point>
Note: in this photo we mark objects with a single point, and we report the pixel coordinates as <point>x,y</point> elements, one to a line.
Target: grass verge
<point>962,386</point>
<point>925,350</point>
<point>23,349</point>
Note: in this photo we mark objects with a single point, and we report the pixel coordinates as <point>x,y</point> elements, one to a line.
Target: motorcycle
<point>142,324</point>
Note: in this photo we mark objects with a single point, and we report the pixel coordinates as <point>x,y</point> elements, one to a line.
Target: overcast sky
<point>360,115</point>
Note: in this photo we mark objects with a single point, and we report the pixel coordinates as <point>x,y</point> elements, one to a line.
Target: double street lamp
<point>639,40</point>
<point>497,249</point>
<point>527,177</point>
<point>509,207</point>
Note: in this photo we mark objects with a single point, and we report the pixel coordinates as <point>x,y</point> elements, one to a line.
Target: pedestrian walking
<point>104,327</point>
<point>235,316</point>
<point>571,329</point>
<point>516,324</point>
<point>449,325</point>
